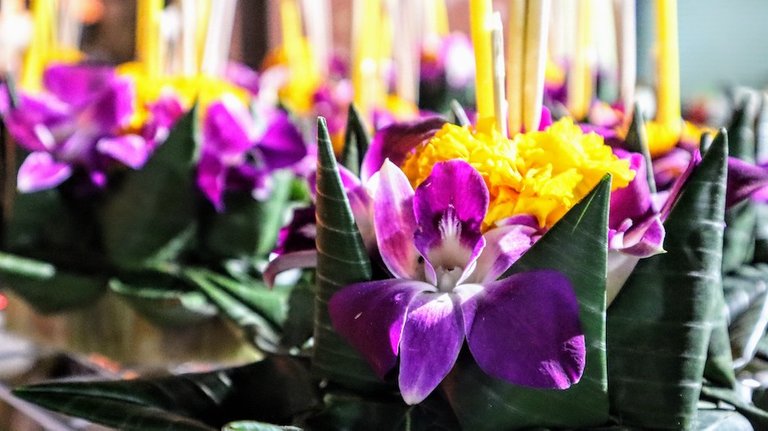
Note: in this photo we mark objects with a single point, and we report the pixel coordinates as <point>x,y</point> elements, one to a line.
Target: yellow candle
<point>290,21</point>
<point>43,21</point>
<point>480,24</point>
<point>201,35</point>
<point>148,15</point>
<point>441,18</point>
<point>580,78</point>
<point>668,86</point>
<point>365,67</point>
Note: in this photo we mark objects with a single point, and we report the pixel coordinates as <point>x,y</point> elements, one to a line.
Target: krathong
<point>523,329</point>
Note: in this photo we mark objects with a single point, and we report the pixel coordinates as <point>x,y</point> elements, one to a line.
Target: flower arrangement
<point>453,274</point>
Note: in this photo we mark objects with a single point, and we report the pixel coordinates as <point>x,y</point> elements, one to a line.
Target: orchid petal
<point>77,84</point>
<point>394,222</point>
<point>211,179</point>
<point>503,246</point>
<point>112,108</point>
<point>633,201</point>
<point>745,180</point>
<point>40,171</point>
<point>282,144</point>
<point>677,187</point>
<point>292,260</point>
<point>228,128</point>
<point>394,142</point>
<point>526,330</point>
<point>450,206</point>
<point>645,239</point>
<point>130,150</point>
<point>370,315</point>
<point>432,338</point>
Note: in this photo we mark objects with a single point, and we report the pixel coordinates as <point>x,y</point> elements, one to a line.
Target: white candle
<point>497,53</point>
<point>219,37</point>
<point>537,19</point>
<point>515,64</point>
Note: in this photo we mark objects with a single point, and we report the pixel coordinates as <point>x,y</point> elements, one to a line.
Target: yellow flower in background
<point>303,79</point>
<point>554,74</point>
<point>189,89</point>
<point>543,174</point>
<point>662,138</point>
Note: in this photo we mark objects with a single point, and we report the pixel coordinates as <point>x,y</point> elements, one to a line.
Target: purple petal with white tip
<point>432,338</point>
<point>450,206</point>
<point>130,150</point>
<point>292,260</point>
<point>395,141</point>
<point>370,316</point>
<point>503,246</point>
<point>394,222</point>
<point>40,171</point>
<point>526,330</point>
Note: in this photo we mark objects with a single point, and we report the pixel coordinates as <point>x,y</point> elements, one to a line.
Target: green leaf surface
<point>342,260</point>
<point>156,204</point>
<point>748,329</point>
<point>356,141</point>
<point>660,323</point>
<point>257,426</point>
<point>273,390</point>
<point>739,238</point>
<point>721,420</point>
<point>254,324</point>
<point>249,227</point>
<point>47,288</point>
<point>756,416</point>
<point>165,306</point>
<point>637,141</point>
<point>577,247</point>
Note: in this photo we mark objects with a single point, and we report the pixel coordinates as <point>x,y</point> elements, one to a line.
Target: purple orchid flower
<point>241,153</point>
<point>77,124</point>
<point>523,329</point>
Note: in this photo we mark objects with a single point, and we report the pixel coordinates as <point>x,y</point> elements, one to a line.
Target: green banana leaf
<point>637,141</point>
<point>256,326</point>
<point>47,288</point>
<point>739,238</point>
<point>164,306</point>
<point>356,142</point>
<point>342,259</point>
<point>577,247</point>
<point>748,329</point>
<point>350,412</point>
<point>756,416</point>
<point>274,390</point>
<point>721,420</point>
<point>659,326</point>
<point>248,227</point>
<point>156,204</point>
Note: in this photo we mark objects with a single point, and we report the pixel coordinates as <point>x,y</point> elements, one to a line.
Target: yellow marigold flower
<point>662,138</point>
<point>539,173</point>
<point>201,88</point>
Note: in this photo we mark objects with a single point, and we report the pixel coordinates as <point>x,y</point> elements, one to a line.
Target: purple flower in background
<point>77,124</point>
<point>523,329</point>
<point>240,152</point>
